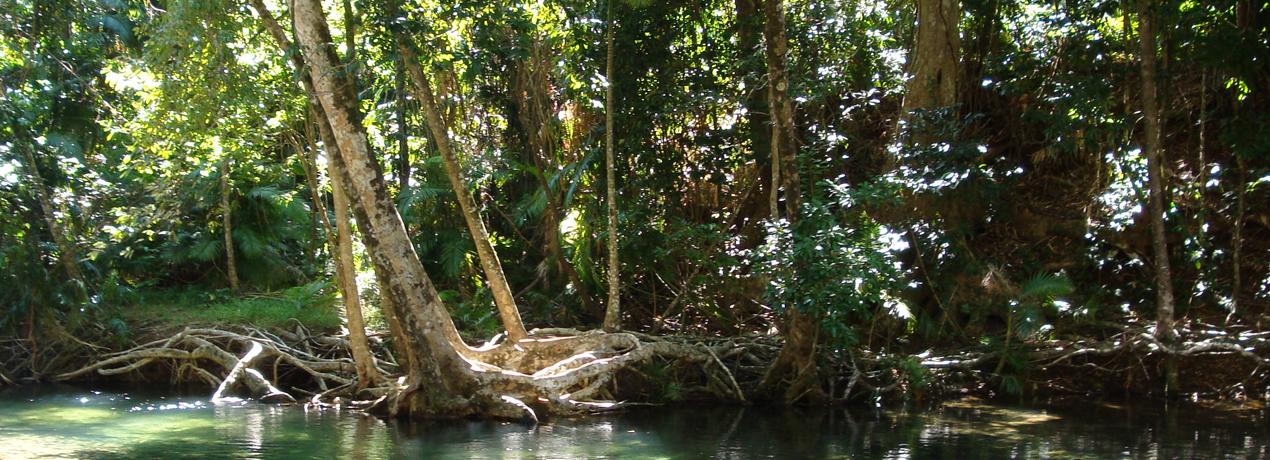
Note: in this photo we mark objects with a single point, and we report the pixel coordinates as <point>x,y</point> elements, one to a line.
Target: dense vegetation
<point>869,179</point>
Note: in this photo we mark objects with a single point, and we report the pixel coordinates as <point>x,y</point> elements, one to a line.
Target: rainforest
<point>554,211</point>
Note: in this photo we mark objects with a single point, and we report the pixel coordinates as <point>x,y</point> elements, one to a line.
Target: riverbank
<point>207,341</point>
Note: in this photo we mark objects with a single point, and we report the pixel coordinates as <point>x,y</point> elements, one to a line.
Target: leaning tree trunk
<point>67,256</point>
<point>1155,154</point>
<point>226,221</point>
<point>935,56</point>
<point>341,243</point>
<point>435,381</point>
<point>493,268</point>
<point>795,366</point>
<point>346,275</point>
<point>613,314</point>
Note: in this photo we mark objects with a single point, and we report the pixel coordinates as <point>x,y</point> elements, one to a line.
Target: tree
<point>796,363</point>
<point>934,64</point>
<point>65,247</point>
<point>494,276</point>
<point>613,314</point>
<point>1155,158</point>
<point>231,265</point>
<point>341,246</point>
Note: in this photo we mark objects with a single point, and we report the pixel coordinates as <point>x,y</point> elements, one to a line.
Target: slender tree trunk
<point>795,366</point>
<point>1155,160</point>
<point>68,257</point>
<point>226,220</point>
<point>934,66</point>
<point>503,298</point>
<point>753,71</point>
<point>784,140</point>
<point>613,315</point>
<point>435,378</point>
<point>1237,237</point>
<point>340,240</point>
<point>1155,153</point>
<point>346,275</point>
<point>403,141</point>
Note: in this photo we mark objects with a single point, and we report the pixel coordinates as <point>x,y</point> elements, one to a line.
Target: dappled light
<point>531,211</point>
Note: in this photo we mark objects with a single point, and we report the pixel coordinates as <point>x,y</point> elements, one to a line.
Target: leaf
<point>1044,286</point>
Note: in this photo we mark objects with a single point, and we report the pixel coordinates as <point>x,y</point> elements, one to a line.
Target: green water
<point>73,423</point>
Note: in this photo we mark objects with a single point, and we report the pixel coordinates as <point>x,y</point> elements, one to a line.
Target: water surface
<point>63,422</point>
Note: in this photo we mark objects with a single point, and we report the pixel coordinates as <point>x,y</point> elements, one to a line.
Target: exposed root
<point>205,355</point>
<point>526,380</point>
<point>571,375</point>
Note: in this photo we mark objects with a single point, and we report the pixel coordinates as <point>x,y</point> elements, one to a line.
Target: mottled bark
<point>231,270</point>
<point>784,136</point>
<point>346,275</point>
<point>936,52</point>
<point>493,268</point>
<point>795,366</point>
<point>435,384</point>
<point>612,314</point>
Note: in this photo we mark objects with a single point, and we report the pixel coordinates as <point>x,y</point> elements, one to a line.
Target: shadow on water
<point>60,422</point>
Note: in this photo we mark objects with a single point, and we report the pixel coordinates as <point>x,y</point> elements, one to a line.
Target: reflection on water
<point>71,423</point>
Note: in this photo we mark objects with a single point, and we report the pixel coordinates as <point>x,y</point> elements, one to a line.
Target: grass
<point>313,305</point>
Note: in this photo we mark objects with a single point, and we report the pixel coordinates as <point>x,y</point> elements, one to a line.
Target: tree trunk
<point>339,240</point>
<point>434,381</point>
<point>68,257</point>
<point>1155,160</point>
<point>503,298</point>
<point>346,275</point>
<point>934,66</point>
<point>613,315</point>
<point>795,366</point>
<point>1237,237</point>
<point>753,74</point>
<point>232,270</point>
<point>784,137</point>
<point>403,141</point>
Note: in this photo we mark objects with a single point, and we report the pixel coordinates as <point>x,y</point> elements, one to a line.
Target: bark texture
<point>934,65</point>
<point>612,314</point>
<point>795,367</point>
<point>1155,160</point>
<point>433,383</point>
<point>231,270</point>
<point>346,275</point>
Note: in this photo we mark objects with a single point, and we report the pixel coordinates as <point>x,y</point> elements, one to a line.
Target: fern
<point>1045,286</point>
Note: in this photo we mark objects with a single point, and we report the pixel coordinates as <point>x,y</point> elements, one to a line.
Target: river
<point>67,422</point>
